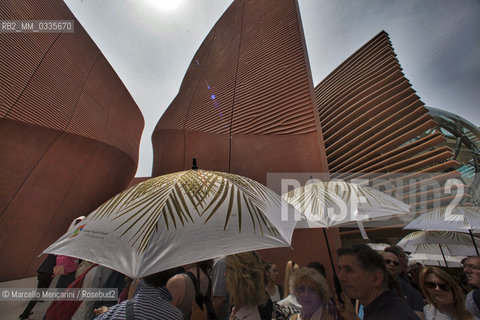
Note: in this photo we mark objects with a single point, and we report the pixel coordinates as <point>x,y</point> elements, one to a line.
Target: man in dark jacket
<point>412,296</point>
<point>363,276</point>
<point>472,270</point>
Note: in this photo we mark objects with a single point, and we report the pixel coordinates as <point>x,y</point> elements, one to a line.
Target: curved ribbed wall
<point>70,133</point>
<point>246,103</point>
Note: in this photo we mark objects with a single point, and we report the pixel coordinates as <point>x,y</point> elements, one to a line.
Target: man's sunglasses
<point>433,285</point>
<point>388,261</point>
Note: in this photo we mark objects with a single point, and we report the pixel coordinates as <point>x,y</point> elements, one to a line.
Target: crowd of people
<point>243,287</point>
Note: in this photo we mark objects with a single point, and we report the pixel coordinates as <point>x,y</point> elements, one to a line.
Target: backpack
<point>65,309</point>
<point>203,299</point>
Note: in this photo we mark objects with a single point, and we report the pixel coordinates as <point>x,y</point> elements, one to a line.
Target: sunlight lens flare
<point>165,5</point>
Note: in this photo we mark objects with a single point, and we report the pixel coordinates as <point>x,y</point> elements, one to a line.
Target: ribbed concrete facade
<point>70,133</point>
<point>246,104</point>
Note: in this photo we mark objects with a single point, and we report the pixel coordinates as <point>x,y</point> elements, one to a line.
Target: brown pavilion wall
<point>70,133</point>
<point>246,105</point>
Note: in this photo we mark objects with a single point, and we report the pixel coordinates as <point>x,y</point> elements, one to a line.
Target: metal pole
<point>473,240</point>
<point>443,255</point>
<point>336,281</point>
<point>329,252</point>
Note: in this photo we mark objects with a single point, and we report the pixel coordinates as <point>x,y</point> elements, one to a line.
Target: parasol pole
<point>329,252</point>
<point>336,281</point>
<point>443,255</point>
<point>473,240</point>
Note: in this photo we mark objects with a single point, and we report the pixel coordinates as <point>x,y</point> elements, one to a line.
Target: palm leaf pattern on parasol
<point>312,196</point>
<point>453,243</point>
<point>318,196</point>
<point>173,198</point>
<point>460,218</point>
<point>444,237</point>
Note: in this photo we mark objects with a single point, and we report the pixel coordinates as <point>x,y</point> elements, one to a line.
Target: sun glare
<point>165,5</point>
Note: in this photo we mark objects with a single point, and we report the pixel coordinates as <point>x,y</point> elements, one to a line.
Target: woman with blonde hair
<point>289,269</point>
<point>289,305</point>
<point>311,290</point>
<point>245,285</point>
<point>445,300</point>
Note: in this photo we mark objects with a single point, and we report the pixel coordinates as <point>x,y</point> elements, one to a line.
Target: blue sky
<point>150,44</point>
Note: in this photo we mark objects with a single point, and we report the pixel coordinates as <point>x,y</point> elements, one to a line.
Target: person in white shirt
<point>443,295</point>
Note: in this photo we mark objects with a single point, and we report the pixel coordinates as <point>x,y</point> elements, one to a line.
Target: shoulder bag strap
<point>129,310</point>
<point>194,281</point>
<point>198,293</point>
<point>209,290</point>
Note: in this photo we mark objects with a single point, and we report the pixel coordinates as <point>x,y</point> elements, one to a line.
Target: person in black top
<point>412,296</point>
<point>363,276</point>
<point>45,272</point>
